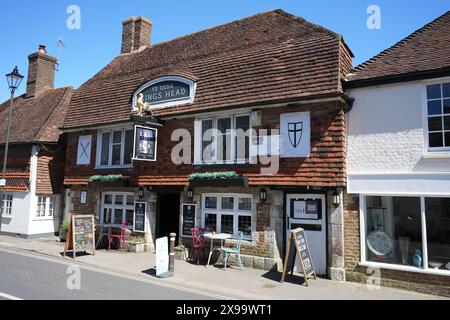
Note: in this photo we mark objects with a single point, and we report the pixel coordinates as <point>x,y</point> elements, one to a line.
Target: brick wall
<point>425,283</point>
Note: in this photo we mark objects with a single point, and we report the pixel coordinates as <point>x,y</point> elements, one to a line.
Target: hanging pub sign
<point>145,140</point>
<point>297,244</point>
<point>139,216</point>
<point>164,91</point>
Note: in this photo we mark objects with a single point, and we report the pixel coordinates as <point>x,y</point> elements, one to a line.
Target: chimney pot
<point>136,34</point>
<point>42,49</point>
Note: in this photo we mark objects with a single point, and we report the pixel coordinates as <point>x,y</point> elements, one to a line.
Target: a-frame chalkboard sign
<point>297,241</point>
<point>81,235</point>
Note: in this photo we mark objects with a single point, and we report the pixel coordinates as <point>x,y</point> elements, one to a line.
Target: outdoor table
<point>217,236</point>
<point>102,227</point>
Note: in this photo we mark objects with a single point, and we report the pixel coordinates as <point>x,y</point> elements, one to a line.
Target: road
<point>34,278</point>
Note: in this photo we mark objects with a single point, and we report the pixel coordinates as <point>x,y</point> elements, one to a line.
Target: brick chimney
<point>136,34</point>
<point>41,72</point>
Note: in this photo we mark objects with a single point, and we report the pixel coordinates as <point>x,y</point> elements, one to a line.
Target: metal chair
<point>198,244</point>
<point>120,237</point>
<point>236,251</point>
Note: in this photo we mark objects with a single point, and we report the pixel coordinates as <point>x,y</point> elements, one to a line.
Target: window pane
<point>227,203</point>
<point>108,199</point>
<point>437,212</point>
<point>106,215</point>
<point>446,89</point>
<point>245,225</point>
<point>435,124</point>
<point>393,230</point>
<point>447,123</point>
<point>207,140</point>
<point>117,137</point>
<point>41,207</point>
<point>51,206</point>
<point>129,215</point>
<point>210,222</point>
<point>226,224</point>
<point>118,199</point>
<point>105,149</point>
<point>224,125</point>
<point>446,105</point>
<point>447,139</point>
<point>242,139</point>
<point>211,202</point>
<point>116,154</point>
<point>435,140</point>
<point>128,148</point>
<point>434,91</point>
<point>224,139</point>
<point>434,107</point>
<point>130,201</point>
<point>245,204</point>
<point>118,216</point>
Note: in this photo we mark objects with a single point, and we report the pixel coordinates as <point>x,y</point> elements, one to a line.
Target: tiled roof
<point>35,119</point>
<point>17,179</point>
<point>427,49</point>
<point>269,57</point>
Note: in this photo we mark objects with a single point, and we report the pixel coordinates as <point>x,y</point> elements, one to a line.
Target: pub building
<point>161,124</point>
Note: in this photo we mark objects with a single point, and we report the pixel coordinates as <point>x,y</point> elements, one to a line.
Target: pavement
<point>212,282</point>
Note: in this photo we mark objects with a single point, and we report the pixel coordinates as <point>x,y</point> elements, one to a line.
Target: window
<point>438,117</point>
<point>227,213</point>
<point>46,207</point>
<point>6,205</point>
<point>117,208</point>
<point>393,231</point>
<point>223,140</point>
<point>115,148</point>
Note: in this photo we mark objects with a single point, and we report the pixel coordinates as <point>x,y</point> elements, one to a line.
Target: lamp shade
<point>263,195</point>
<point>14,79</point>
<point>336,200</point>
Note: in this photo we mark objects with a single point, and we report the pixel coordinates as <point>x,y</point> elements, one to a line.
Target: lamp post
<point>14,79</point>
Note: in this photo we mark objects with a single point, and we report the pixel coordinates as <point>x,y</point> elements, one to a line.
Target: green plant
<point>136,239</point>
<point>65,225</point>
<point>111,177</point>
<point>213,175</point>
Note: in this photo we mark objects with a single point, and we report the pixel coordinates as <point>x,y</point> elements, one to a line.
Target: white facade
<point>387,147</point>
<point>24,219</point>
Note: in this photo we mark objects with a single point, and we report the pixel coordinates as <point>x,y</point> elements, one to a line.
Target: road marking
<point>8,296</point>
<point>89,267</point>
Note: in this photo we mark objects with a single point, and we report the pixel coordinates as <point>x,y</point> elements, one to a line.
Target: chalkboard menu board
<point>298,245</point>
<point>189,214</point>
<point>81,235</point>
<point>139,216</point>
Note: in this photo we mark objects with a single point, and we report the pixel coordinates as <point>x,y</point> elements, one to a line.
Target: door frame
<point>325,217</point>
<point>158,210</point>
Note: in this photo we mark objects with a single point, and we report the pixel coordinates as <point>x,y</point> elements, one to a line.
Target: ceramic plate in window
<point>379,243</point>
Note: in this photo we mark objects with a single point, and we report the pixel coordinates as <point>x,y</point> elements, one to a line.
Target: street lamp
<point>14,79</point>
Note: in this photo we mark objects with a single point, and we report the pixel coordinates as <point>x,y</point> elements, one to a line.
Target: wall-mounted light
<point>190,194</point>
<point>263,195</point>
<point>140,193</point>
<point>336,199</point>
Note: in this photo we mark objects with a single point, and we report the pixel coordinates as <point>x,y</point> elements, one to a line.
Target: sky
<point>25,24</point>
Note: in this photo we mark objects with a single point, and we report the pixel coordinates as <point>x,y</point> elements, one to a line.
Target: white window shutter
<point>84,150</point>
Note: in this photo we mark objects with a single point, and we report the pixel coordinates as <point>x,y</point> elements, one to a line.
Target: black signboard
<point>189,213</point>
<point>298,245</point>
<point>81,235</point>
<point>145,140</point>
<point>165,91</point>
<point>139,216</point>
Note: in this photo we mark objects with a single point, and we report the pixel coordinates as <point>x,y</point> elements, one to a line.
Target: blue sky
<point>26,24</point>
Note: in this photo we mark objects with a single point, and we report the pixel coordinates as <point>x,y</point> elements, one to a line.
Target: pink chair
<point>120,237</point>
<point>198,245</point>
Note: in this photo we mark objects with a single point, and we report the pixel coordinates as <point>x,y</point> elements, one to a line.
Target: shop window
<point>6,204</point>
<point>117,208</point>
<point>223,140</point>
<point>393,231</point>
<point>227,213</point>
<point>438,117</point>
<point>115,148</point>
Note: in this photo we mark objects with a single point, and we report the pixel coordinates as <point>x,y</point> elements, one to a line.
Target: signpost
<point>297,241</point>
<point>162,258</point>
<point>81,235</point>
<point>139,216</point>
<point>188,218</point>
